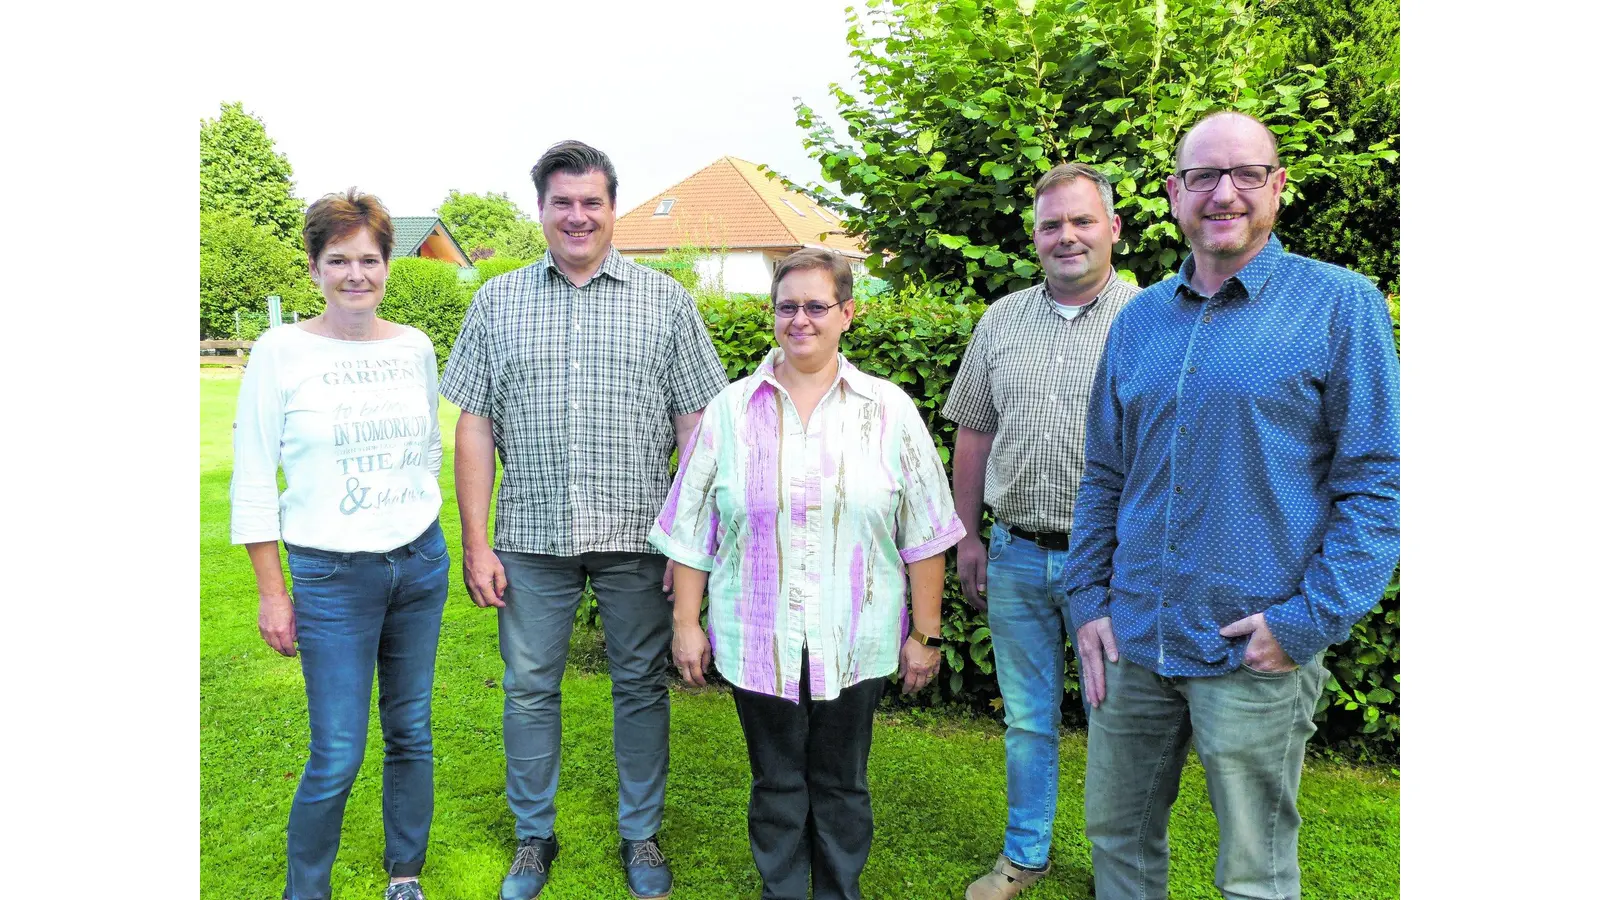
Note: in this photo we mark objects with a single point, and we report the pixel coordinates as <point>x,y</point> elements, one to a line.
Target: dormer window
<point>665,206</point>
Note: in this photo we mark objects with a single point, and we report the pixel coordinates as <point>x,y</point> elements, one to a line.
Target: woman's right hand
<point>276,621</point>
<point>691,652</point>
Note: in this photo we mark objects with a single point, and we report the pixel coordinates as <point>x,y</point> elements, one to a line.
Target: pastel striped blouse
<point>807,531</point>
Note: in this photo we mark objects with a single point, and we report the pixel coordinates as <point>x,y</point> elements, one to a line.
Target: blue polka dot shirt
<point>1242,455</point>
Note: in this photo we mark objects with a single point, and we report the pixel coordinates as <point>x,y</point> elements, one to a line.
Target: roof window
<point>796,209</point>
<point>665,206</point>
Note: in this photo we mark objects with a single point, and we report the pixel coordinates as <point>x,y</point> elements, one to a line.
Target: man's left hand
<point>666,580</point>
<point>1263,653</point>
<point>919,664</point>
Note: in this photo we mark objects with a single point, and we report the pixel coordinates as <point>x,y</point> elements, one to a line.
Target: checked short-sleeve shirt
<point>581,384</point>
<point>1025,378</point>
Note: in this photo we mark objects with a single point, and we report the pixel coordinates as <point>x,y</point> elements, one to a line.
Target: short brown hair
<point>574,158</point>
<point>812,258</point>
<point>337,216</point>
<point>1066,173</point>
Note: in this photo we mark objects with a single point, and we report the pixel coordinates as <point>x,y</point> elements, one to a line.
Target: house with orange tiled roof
<point>744,219</point>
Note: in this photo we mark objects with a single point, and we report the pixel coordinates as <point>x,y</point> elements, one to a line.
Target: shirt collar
<point>1111,279</point>
<point>857,380</point>
<point>1253,277</point>
<point>613,265</point>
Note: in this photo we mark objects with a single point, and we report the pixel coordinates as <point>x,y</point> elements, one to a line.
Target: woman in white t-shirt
<point>346,404</point>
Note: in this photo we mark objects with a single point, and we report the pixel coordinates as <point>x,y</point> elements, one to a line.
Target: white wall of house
<point>741,271</point>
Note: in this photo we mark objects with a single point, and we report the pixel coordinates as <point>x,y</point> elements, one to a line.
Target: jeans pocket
<point>997,543</point>
<point>312,569</point>
<point>435,550</point>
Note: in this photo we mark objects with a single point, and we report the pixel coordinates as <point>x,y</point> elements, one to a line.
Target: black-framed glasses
<point>1245,178</point>
<point>815,309</point>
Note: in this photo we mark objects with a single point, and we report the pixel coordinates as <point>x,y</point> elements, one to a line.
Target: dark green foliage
<point>428,295</point>
<point>966,104</point>
<point>523,239</point>
<point>240,264</point>
<point>1354,221</point>
<point>241,173</point>
<point>474,218</point>
<point>917,344</point>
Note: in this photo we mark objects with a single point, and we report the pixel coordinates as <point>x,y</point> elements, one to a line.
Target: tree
<point>475,218</point>
<point>241,173</point>
<point>522,239</point>
<point>240,264</point>
<point>964,104</point>
<point>1353,221</point>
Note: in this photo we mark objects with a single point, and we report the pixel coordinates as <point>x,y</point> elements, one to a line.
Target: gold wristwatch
<point>924,639</point>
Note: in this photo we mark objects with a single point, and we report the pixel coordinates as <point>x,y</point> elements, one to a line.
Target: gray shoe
<point>405,890</point>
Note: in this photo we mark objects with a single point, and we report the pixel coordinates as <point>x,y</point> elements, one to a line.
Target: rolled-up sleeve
<point>686,531</point>
<point>695,373</point>
<point>468,382</point>
<point>926,523</point>
<point>971,400</point>
<point>257,436</point>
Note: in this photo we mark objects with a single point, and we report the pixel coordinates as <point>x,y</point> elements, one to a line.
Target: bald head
<point>1234,128</point>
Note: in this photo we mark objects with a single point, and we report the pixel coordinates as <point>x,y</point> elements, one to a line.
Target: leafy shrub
<point>963,105</point>
<point>498,265</point>
<point>240,264</point>
<point>428,295</point>
<point>916,342</point>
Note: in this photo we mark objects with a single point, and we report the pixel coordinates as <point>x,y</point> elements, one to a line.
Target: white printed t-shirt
<point>354,426</point>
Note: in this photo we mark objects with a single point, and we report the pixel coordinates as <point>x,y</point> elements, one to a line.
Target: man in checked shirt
<point>580,370</point>
<point>1020,401</point>
<point>1239,512</point>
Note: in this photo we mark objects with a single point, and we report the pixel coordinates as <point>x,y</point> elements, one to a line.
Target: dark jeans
<point>355,612</point>
<point>810,814</point>
<point>535,630</point>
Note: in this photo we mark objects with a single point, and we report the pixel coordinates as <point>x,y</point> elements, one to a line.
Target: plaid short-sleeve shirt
<point>1025,378</point>
<point>581,384</point>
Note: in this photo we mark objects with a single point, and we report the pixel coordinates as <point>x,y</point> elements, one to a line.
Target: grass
<point>938,781</point>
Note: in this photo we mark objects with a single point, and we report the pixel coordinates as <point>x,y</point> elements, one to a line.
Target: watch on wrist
<point>925,640</point>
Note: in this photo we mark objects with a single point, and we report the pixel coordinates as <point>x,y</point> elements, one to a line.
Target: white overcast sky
<point>408,102</point>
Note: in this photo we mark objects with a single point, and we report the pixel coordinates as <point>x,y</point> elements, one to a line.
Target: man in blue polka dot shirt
<point>1239,512</point>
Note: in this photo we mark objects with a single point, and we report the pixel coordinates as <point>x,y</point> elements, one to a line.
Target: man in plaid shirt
<point>1020,400</point>
<point>581,370</point>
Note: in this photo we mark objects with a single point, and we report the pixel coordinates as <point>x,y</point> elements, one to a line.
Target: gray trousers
<point>1250,730</point>
<point>535,629</point>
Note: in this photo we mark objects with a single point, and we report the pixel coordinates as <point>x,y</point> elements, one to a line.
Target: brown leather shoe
<point>1004,881</point>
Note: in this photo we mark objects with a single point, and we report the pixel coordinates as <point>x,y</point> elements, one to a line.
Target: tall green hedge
<point>429,295</point>
<point>917,344</point>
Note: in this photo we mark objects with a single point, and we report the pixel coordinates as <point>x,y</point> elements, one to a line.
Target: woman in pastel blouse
<point>346,404</point>
<point>810,497</point>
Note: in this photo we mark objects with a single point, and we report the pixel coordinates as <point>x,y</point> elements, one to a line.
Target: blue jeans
<point>1250,730</point>
<point>355,612</point>
<point>1030,628</point>
<point>535,630</point>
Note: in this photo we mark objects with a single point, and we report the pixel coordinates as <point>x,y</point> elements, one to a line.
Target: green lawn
<point>938,782</point>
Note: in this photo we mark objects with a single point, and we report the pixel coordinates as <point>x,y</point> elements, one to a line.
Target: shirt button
<point>1172,548</point>
<point>1052,398</point>
<point>574,404</point>
<point>1166,603</point>
<point>1207,319</point>
<point>1183,429</point>
<point>1179,488</point>
<point>1047,437</point>
<point>1191,368</point>
<point>1061,359</point>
